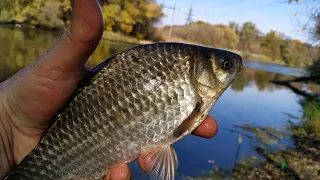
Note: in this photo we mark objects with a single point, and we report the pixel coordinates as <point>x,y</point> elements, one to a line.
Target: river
<point>250,100</point>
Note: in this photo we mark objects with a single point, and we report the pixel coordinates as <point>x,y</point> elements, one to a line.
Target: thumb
<point>79,41</point>
<point>39,91</point>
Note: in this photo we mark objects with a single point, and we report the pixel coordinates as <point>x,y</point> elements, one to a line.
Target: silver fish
<point>138,102</point>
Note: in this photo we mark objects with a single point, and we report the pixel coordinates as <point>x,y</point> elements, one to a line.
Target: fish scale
<point>134,101</point>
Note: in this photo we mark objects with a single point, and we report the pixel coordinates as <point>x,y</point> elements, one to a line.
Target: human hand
<point>34,95</point>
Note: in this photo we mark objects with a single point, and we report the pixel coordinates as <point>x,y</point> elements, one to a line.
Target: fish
<point>136,103</point>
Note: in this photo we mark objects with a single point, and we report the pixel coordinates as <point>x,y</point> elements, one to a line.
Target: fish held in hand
<point>138,102</point>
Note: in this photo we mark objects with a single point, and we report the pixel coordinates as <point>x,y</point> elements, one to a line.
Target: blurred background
<point>269,118</point>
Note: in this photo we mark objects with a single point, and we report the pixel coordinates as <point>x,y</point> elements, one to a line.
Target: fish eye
<point>226,64</point>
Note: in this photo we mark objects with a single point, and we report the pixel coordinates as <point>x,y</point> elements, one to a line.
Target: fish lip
<point>240,68</point>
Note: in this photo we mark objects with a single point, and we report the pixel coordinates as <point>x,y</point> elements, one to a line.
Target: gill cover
<point>205,80</point>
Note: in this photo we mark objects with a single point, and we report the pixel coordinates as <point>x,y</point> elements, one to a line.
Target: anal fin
<point>161,162</point>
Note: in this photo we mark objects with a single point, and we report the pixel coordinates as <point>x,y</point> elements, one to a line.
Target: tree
<point>134,18</point>
<point>235,26</point>
<point>207,34</point>
<point>285,51</point>
<point>48,14</point>
<point>248,35</point>
<point>271,45</point>
<point>312,24</point>
<point>144,28</point>
<point>42,13</point>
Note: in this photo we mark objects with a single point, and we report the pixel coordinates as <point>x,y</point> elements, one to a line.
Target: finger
<point>119,172</point>
<point>76,45</point>
<point>42,88</point>
<point>143,164</point>
<point>81,38</point>
<point>207,129</point>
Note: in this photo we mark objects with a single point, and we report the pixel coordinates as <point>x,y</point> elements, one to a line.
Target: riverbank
<point>117,37</point>
<point>246,55</point>
<point>23,25</point>
<point>111,36</point>
<point>302,162</point>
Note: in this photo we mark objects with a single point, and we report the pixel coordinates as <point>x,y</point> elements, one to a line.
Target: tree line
<point>134,18</point>
<point>137,18</point>
<point>250,40</point>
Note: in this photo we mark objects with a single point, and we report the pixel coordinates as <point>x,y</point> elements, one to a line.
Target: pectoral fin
<point>196,117</point>
<point>161,162</point>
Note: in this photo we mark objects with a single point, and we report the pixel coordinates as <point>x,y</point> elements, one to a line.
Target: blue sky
<point>266,14</point>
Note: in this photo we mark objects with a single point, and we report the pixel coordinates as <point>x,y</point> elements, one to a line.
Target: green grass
<point>112,36</point>
<point>312,112</point>
<point>257,57</point>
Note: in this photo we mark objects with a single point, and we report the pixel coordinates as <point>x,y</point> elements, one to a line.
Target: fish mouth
<point>240,68</point>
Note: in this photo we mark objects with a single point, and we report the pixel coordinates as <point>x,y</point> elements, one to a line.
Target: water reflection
<point>20,47</point>
<point>261,79</point>
<point>106,49</point>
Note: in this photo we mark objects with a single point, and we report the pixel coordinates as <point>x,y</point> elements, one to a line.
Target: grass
<point>257,57</point>
<point>112,36</point>
<point>312,112</point>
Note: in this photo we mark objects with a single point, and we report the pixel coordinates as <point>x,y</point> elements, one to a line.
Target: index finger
<point>207,129</point>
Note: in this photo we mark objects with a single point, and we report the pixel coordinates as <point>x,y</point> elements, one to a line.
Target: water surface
<point>251,100</point>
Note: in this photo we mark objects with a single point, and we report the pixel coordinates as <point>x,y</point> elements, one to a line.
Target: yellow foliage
<point>297,42</point>
<point>153,10</point>
<point>135,17</point>
<point>110,14</point>
<point>206,34</point>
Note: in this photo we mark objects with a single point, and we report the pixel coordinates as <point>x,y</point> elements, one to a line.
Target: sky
<point>266,14</point>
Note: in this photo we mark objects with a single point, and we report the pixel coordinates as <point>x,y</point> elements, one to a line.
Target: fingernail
<point>120,172</point>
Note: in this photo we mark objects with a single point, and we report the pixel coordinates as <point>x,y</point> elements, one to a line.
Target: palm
<point>33,96</point>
